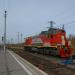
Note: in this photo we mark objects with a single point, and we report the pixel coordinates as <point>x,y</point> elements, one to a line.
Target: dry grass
<point>73,45</point>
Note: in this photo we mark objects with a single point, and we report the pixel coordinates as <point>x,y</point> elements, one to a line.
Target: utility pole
<point>21,37</point>
<point>51,23</point>
<point>18,37</point>
<point>11,40</point>
<point>5,15</point>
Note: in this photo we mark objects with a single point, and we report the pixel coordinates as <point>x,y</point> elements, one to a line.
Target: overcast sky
<point>30,17</point>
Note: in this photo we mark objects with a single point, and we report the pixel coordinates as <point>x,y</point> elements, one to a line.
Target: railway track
<point>42,62</point>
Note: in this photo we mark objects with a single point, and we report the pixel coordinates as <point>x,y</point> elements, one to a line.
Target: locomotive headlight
<point>62,46</point>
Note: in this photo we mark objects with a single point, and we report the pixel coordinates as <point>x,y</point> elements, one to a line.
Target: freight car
<point>50,42</point>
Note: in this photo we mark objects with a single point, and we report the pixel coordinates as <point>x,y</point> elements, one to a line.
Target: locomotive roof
<point>52,31</point>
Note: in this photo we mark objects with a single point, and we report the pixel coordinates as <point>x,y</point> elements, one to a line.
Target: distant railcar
<point>50,42</point>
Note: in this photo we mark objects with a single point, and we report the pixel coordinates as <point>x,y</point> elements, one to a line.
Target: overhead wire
<point>69,22</point>
<point>59,16</point>
<point>64,12</point>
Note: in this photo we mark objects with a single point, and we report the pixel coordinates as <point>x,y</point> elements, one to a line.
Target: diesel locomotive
<point>50,42</point>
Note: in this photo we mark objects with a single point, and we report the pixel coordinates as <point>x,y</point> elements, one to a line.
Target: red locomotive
<point>51,42</point>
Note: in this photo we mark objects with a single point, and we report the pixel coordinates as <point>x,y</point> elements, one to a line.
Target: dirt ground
<point>73,45</point>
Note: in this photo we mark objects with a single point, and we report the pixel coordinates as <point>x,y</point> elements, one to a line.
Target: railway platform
<point>12,64</point>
